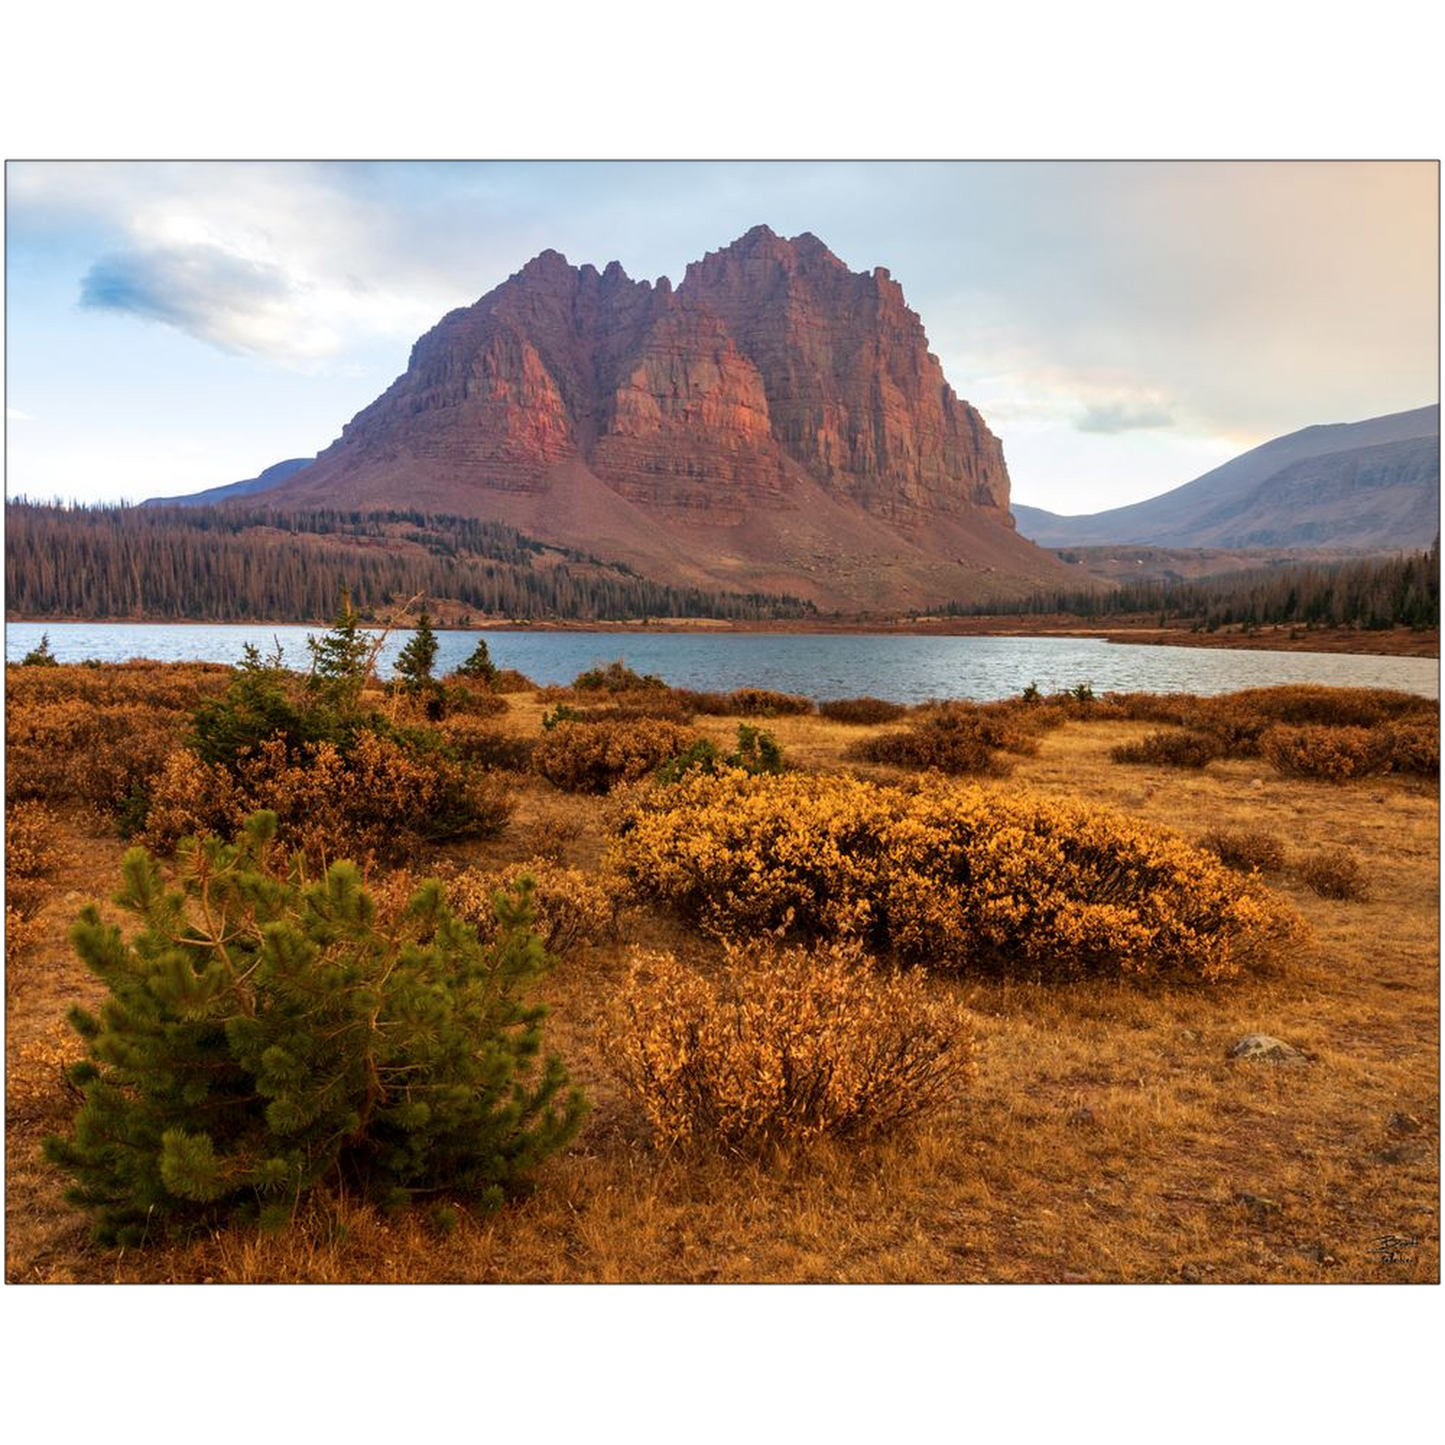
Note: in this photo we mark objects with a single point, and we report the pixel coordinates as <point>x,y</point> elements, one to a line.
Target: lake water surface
<point>817,665</point>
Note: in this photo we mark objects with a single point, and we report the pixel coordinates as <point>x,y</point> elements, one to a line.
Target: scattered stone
<point>1256,782</point>
<point>1082,1117</point>
<point>1265,1048</point>
<point>1190,1274</point>
<point>1403,1124</point>
<point>1260,1208</point>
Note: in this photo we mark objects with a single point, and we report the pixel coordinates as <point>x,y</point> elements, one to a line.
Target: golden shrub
<point>952,739</point>
<point>948,874</point>
<point>573,909</point>
<point>1411,747</point>
<point>376,800</point>
<point>476,742</point>
<point>74,750</point>
<point>1247,851</point>
<point>20,933</point>
<point>508,679</point>
<point>592,757</point>
<point>785,1046</point>
<point>861,710</point>
<point>1334,873</point>
<point>1331,753</point>
<point>1176,749</point>
<point>32,853</point>
<point>763,702</point>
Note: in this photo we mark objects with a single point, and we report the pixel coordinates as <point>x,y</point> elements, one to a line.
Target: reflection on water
<point>904,669</point>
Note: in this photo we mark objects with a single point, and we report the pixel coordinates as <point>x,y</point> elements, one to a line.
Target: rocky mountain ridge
<point>776,422</point>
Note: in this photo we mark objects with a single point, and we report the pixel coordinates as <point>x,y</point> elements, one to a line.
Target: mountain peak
<point>777,400</point>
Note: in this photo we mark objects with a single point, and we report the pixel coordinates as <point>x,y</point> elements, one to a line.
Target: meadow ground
<point>1104,1136</point>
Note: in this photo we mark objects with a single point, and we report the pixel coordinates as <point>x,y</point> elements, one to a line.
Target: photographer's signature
<point>1394,1249</point>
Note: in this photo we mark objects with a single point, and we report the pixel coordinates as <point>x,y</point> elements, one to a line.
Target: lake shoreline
<point>1396,642</point>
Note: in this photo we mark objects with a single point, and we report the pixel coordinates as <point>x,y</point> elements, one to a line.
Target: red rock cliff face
<point>854,394</point>
<point>777,423</point>
<point>771,351</point>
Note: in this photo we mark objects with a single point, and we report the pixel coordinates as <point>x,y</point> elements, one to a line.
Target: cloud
<point>201,289</point>
<point>1114,417</point>
<point>13,413</point>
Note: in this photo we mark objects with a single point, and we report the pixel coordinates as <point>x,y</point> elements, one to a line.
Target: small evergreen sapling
<point>341,656</point>
<point>264,1034</point>
<point>415,662</point>
<point>40,656</point>
<point>479,665</point>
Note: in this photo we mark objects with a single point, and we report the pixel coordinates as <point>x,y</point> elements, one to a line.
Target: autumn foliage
<point>784,1046</point>
<point>950,875</point>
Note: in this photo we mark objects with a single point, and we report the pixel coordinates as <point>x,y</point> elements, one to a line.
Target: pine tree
<point>40,656</point>
<point>340,656</point>
<point>479,665</point>
<point>264,1035</point>
<point>415,662</point>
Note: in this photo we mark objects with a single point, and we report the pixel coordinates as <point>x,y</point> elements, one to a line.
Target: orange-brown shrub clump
<point>953,739</point>
<point>468,697</point>
<point>861,710</point>
<point>474,741</point>
<point>1411,747</point>
<point>1332,753</point>
<point>784,1046</point>
<point>592,757</point>
<point>953,875</point>
<point>508,679</point>
<point>31,856</point>
<point>1334,873</point>
<point>376,800</point>
<point>98,735</point>
<point>763,702</point>
<point>1246,851</point>
<point>31,853</point>
<point>1176,749</point>
<point>572,908</point>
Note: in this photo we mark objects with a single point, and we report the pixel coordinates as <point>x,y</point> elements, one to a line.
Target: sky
<point>1122,326</point>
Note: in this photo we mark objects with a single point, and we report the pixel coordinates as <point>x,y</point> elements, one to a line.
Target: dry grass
<point>1103,1135</point>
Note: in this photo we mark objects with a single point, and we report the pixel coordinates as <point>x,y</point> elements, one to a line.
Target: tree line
<point>1372,593</point>
<point>259,564</point>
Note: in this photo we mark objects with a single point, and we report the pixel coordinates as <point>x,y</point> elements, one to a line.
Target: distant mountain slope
<point>1369,484</point>
<point>271,477</point>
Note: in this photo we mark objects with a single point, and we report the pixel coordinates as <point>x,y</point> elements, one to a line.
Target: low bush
<point>951,740</point>
<point>1411,747</point>
<point>861,710</point>
<point>508,679</point>
<point>263,1035</point>
<point>572,908</point>
<point>954,876</point>
<point>616,677</point>
<point>762,702</point>
<point>379,800</point>
<point>1245,851</point>
<point>1334,873</point>
<point>1175,749</point>
<point>470,739</point>
<point>31,854</point>
<point>75,751</point>
<point>465,698</point>
<point>784,1047</point>
<point>592,757</point>
<point>1331,753</point>
<point>757,752</point>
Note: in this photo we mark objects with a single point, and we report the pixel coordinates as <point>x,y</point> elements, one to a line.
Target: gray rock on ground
<point>1265,1048</point>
